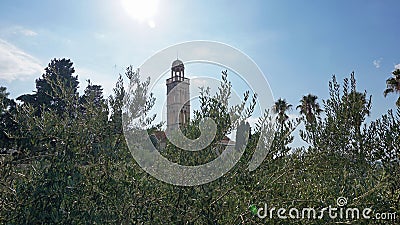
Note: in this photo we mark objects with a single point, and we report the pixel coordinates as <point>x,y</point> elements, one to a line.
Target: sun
<point>141,10</point>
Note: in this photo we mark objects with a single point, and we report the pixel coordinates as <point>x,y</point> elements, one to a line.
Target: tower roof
<point>177,63</point>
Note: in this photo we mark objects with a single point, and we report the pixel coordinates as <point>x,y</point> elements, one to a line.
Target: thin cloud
<point>18,30</point>
<point>17,64</point>
<point>397,66</point>
<point>25,31</point>
<point>377,63</point>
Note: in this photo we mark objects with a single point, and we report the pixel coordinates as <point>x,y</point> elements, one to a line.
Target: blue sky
<point>298,45</point>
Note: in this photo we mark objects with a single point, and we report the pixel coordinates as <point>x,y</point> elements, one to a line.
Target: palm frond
<point>387,91</point>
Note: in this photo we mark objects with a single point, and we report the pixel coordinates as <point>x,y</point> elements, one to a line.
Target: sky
<point>298,45</point>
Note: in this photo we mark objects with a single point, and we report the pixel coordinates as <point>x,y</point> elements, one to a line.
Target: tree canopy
<point>64,158</point>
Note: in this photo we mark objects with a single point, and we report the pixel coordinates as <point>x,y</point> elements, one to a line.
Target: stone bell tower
<point>178,97</point>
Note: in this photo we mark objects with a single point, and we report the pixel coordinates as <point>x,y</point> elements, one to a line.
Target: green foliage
<point>54,88</point>
<point>343,151</point>
<point>281,107</point>
<point>7,125</point>
<point>340,129</point>
<point>71,164</point>
<point>309,107</point>
<point>393,85</point>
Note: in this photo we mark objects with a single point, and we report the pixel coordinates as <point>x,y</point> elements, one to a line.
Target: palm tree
<point>357,108</point>
<point>393,85</point>
<point>309,107</point>
<point>281,107</point>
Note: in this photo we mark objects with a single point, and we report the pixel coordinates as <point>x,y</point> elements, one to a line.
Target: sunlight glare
<point>141,10</point>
